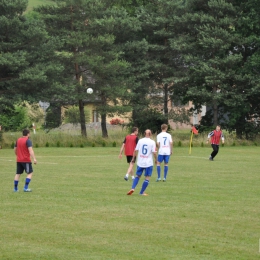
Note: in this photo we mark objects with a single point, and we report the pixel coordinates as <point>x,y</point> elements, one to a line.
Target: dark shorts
<point>129,158</point>
<point>21,167</point>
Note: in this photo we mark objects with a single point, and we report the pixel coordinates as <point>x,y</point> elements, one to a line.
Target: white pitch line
<point>45,163</point>
<point>37,162</point>
<point>6,160</point>
<point>193,157</point>
<point>76,156</point>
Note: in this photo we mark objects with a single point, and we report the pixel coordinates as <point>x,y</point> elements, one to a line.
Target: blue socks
<point>145,184</point>
<point>27,181</point>
<point>16,185</point>
<point>159,171</point>
<point>165,171</point>
<point>135,182</point>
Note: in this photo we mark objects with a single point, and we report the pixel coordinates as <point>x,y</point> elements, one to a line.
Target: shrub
<point>81,146</point>
<point>202,144</point>
<point>114,144</point>
<point>47,144</point>
<point>15,118</point>
<point>179,144</point>
<point>53,116</point>
<point>149,119</point>
<point>72,115</point>
<point>93,144</point>
<point>58,143</point>
<point>12,145</point>
<point>104,144</point>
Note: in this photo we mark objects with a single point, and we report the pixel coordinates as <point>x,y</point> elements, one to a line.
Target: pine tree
<point>206,46</point>
<point>89,53</point>
<point>24,50</point>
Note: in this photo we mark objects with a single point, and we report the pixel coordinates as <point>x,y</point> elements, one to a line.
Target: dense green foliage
<point>72,115</point>
<point>136,55</point>
<point>89,54</point>
<point>25,49</point>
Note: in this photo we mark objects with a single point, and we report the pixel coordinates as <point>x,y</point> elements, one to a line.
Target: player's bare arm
<point>134,157</point>
<point>121,151</point>
<point>32,154</point>
<point>155,157</point>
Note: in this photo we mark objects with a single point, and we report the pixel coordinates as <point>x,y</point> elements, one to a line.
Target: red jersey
<point>22,152</point>
<point>130,144</point>
<point>215,136</point>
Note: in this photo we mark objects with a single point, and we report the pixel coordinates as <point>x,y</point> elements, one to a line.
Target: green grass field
<point>79,208</point>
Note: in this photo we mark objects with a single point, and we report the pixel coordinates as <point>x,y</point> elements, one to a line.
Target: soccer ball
<point>89,90</point>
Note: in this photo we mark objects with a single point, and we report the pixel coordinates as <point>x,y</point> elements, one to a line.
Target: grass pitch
<point>79,208</point>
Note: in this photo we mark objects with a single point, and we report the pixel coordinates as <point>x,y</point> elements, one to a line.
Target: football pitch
<point>79,208</point>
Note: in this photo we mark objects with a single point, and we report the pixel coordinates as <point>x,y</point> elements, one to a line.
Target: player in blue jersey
<point>145,151</point>
<point>164,143</point>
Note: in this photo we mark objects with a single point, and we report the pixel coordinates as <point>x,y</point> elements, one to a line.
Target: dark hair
<point>134,129</point>
<point>26,132</point>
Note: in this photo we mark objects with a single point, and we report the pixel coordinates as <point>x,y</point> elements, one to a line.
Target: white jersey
<point>165,141</point>
<point>145,147</point>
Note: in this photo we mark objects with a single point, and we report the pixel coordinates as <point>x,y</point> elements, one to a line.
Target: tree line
<point>135,54</point>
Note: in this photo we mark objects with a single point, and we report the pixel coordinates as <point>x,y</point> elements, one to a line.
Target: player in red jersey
<point>129,145</point>
<point>215,137</point>
<point>23,150</point>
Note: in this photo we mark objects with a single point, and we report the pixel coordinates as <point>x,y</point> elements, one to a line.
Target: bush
<point>114,144</point>
<point>72,115</point>
<point>58,144</point>
<point>149,119</point>
<point>47,144</point>
<point>53,116</point>
<point>15,118</point>
<point>179,144</point>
